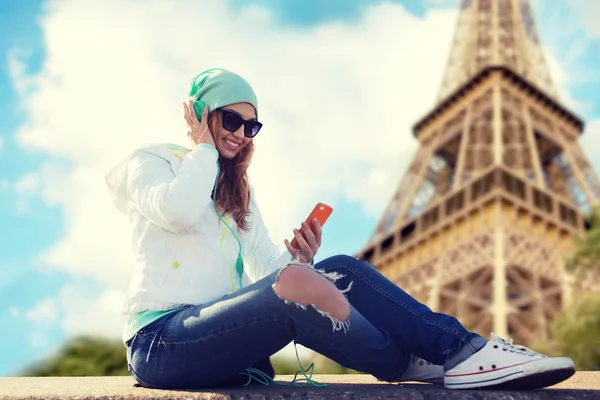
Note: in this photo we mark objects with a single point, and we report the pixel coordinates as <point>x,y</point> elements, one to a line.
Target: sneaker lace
<point>508,345</point>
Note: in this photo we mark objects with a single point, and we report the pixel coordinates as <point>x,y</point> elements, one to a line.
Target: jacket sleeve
<point>173,201</point>
<point>260,252</point>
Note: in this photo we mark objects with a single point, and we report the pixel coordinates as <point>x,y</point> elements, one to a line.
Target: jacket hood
<point>116,177</point>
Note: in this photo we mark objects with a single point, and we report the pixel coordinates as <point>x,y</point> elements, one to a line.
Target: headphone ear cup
<point>199,108</point>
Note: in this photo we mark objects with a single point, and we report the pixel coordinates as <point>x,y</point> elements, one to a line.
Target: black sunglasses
<point>232,122</point>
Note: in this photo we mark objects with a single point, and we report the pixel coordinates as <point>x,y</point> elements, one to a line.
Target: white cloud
<point>27,184</point>
<point>15,312</point>
<point>39,339</point>
<point>45,313</point>
<point>588,11</point>
<point>76,311</point>
<point>1,144</point>
<point>561,82</point>
<point>453,4</point>
<point>22,206</point>
<point>343,94</point>
<point>589,142</point>
<point>17,67</point>
<point>570,49</point>
<point>84,314</point>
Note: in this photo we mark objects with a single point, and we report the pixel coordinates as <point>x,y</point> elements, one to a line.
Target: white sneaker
<point>502,365</point>
<point>420,370</point>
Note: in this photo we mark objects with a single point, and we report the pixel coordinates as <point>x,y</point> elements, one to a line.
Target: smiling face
<point>228,143</point>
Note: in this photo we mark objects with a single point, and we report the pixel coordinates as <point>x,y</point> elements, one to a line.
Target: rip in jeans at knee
<point>331,276</point>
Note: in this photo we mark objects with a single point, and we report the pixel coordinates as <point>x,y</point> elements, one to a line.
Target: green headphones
<point>197,83</point>
<point>239,262</point>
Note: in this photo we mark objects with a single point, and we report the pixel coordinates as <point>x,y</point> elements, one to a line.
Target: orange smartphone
<point>321,212</point>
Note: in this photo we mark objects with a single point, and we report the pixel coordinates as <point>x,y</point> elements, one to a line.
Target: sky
<point>340,84</point>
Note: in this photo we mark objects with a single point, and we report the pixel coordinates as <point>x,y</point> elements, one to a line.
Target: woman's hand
<point>199,131</point>
<point>309,241</point>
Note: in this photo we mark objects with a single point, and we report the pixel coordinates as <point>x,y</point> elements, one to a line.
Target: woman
<point>211,298</point>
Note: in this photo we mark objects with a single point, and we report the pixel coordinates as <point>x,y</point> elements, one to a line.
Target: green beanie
<point>218,88</point>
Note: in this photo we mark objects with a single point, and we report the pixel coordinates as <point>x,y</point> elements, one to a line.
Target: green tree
<point>586,258</point>
<point>576,328</point>
<point>84,356</point>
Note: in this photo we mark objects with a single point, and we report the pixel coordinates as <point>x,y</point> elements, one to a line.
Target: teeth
<point>232,143</point>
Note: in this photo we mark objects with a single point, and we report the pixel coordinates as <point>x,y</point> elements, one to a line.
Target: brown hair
<point>233,187</point>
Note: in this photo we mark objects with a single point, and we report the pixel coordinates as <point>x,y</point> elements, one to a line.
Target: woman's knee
<point>301,284</point>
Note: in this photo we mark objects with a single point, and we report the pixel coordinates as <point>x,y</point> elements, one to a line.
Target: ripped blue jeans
<point>213,344</point>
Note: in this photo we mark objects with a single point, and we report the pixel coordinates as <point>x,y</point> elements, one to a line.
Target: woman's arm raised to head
<point>172,201</point>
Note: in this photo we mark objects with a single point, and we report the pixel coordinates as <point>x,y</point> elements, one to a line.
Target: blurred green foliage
<point>586,258</point>
<point>576,328</point>
<point>83,356</point>
<point>576,333</point>
<point>323,366</point>
<point>96,356</point>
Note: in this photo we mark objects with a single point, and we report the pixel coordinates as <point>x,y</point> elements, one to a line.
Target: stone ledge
<point>582,386</point>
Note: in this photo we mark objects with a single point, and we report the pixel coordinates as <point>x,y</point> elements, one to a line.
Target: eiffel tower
<point>485,214</point>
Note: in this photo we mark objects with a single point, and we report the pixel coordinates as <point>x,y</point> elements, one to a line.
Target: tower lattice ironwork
<point>481,221</point>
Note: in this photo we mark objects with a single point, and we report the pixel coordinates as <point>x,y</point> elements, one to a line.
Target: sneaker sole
<point>533,375</point>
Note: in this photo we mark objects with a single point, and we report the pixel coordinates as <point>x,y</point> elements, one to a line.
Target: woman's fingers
<point>316,229</point>
<point>193,115</point>
<point>310,237</point>
<point>204,119</point>
<point>293,251</point>
<point>305,254</point>
<point>304,246</point>
<point>186,115</point>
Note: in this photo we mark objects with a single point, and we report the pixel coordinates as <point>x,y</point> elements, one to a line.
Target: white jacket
<point>177,236</point>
